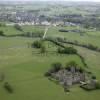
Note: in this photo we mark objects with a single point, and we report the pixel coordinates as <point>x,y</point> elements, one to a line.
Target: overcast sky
<point>53,0</point>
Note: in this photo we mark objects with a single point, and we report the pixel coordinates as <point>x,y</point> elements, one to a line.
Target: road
<point>46,30</point>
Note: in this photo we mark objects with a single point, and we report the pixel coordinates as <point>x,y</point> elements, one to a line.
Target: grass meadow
<point>24,67</point>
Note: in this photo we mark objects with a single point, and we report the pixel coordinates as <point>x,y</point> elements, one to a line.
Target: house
<point>70,24</point>
<point>46,23</point>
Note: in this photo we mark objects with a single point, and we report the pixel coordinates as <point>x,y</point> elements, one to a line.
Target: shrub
<point>34,34</point>
<point>43,49</point>
<point>90,46</point>
<point>67,50</point>
<point>81,70</point>
<point>2,33</point>
<point>56,66</point>
<point>83,60</point>
<point>63,30</point>
<point>16,26</point>
<point>47,74</point>
<point>93,77</point>
<point>66,89</point>
<point>70,50</point>
<point>97,85</point>
<point>71,63</point>
<point>60,50</point>
<point>37,44</point>
<point>8,87</point>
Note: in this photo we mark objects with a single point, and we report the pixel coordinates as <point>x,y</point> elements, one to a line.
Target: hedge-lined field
<point>24,67</point>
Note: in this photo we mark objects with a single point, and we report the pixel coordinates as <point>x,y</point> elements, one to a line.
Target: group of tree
<point>55,67</point>
<point>61,48</point>
<point>75,65</point>
<point>18,27</point>
<point>88,46</point>
<point>25,34</point>
<point>83,60</point>
<point>67,50</point>
<point>87,22</point>
<point>34,34</point>
<point>39,45</point>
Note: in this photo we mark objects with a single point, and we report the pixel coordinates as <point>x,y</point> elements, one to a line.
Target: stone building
<point>69,78</point>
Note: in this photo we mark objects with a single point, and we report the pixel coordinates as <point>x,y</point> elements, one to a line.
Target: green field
<point>24,67</point>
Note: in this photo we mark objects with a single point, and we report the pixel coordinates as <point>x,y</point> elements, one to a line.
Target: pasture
<point>24,67</point>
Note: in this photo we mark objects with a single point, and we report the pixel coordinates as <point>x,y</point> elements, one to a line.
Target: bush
<point>34,34</point>
<point>83,60</point>
<point>97,85</point>
<point>2,33</point>
<point>75,65</point>
<point>63,30</point>
<point>71,64</point>
<point>47,74</point>
<point>37,44</point>
<point>67,50</point>
<point>56,67</point>
<point>8,87</point>
<point>18,27</point>
<point>42,49</point>
<point>81,70</point>
<point>90,46</point>
<point>93,77</point>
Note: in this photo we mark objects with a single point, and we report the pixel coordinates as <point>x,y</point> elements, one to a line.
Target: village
<point>29,18</point>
